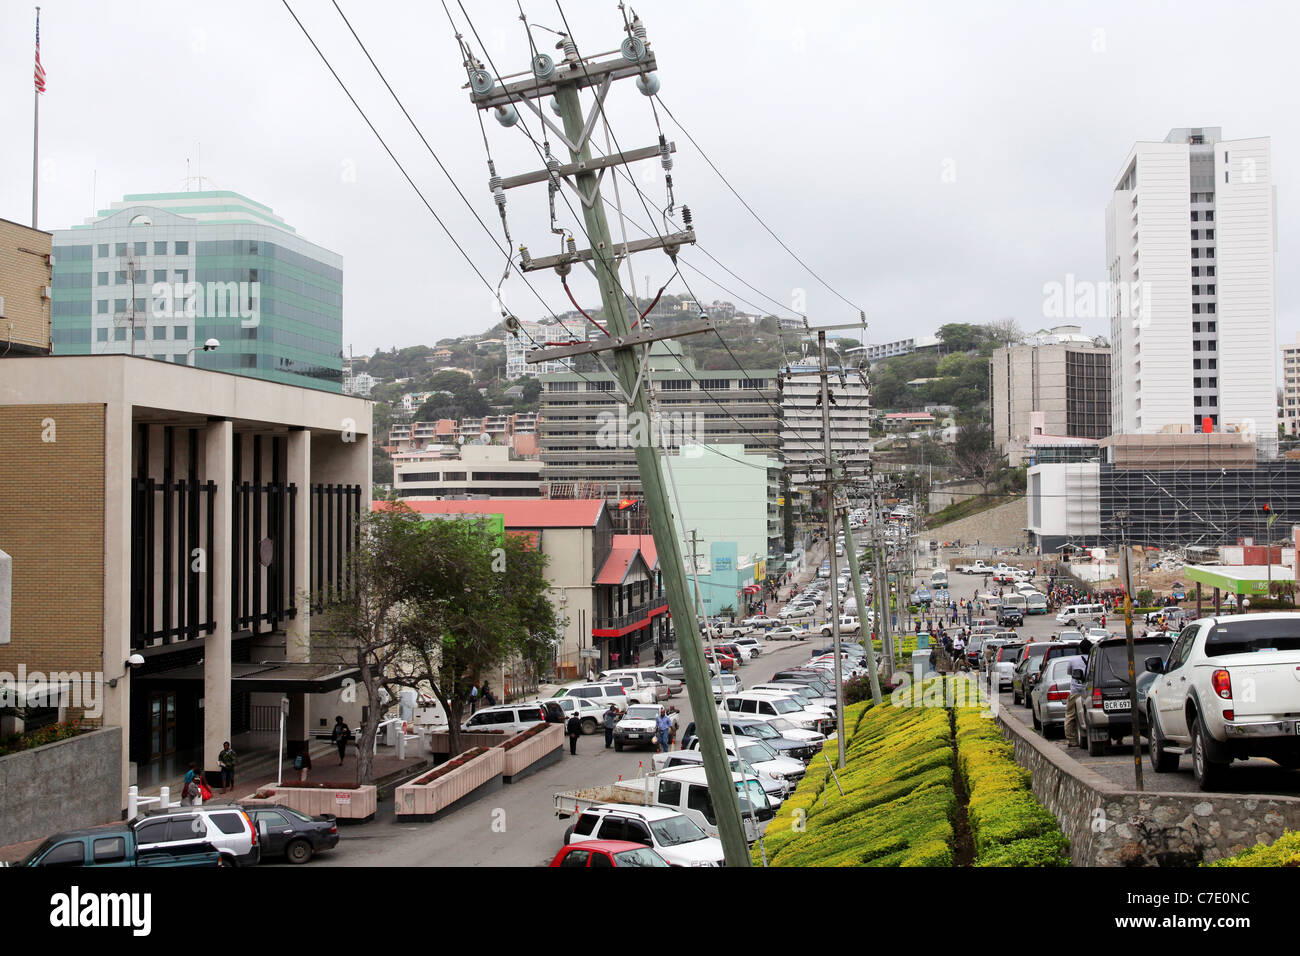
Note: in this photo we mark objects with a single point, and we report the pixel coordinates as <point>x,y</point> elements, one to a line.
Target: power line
<point>750,209</point>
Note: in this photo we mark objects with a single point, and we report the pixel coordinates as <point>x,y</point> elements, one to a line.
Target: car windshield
<point>752,796</point>
<point>27,860</point>
<point>643,713</point>
<point>756,753</point>
<point>1252,637</point>
<point>757,730</point>
<point>1113,666</point>
<point>674,831</point>
<point>784,705</point>
<point>781,724</point>
<point>643,856</point>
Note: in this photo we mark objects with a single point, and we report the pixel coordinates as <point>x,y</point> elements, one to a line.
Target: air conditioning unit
<point>45,292</point>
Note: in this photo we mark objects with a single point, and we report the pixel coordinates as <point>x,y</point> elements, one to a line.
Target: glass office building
<point>158,274</point>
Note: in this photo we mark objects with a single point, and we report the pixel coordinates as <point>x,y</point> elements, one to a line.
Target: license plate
<point>1124,704</point>
<point>633,736</point>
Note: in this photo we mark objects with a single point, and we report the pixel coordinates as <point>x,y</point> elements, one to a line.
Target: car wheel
<point>1208,774</point>
<point>1038,724</point>
<point>589,725</point>
<point>567,835</point>
<point>618,745</point>
<point>298,851</point>
<point>1015,695</point>
<point>1161,762</point>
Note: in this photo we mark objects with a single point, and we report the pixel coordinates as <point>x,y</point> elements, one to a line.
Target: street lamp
<point>284,712</point>
<point>211,345</point>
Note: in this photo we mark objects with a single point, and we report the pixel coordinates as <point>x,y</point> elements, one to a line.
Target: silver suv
<point>228,828</point>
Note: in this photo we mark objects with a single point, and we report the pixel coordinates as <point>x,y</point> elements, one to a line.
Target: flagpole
<point>36,125</point>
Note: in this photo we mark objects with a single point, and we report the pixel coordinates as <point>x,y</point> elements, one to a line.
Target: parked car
<point>674,668</point>
<point>607,853</point>
<point>797,611</point>
<point>590,714</point>
<point>1004,665</point>
<point>1047,700</point>
<point>761,622</point>
<point>848,625</point>
<point>1103,709</point>
<point>293,835</point>
<point>117,847</point>
<point>600,694</point>
<point>671,834</point>
<point>510,718</point>
<point>1072,614</point>
<point>764,706</point>
<point>640,689</point>
<point>725,684</point>
<point>788,632</point>
<point>1228,690</point>
<point>747,726</point>
<point>770,764</point>
<point>639,725</point>
<point>227,827</point>
<point>1027,667</point>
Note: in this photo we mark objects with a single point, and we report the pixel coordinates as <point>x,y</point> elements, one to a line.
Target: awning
<point>266,677</point>
<point>1238,579</point>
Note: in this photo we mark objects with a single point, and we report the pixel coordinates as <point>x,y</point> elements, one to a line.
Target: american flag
<point>40,70</point>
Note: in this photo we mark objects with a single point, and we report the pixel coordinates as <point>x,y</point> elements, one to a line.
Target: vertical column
<point>119,440</point>
<point>297,641</point>
<point>218,454</point>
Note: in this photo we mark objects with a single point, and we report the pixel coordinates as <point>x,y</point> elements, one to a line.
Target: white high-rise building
<point>1190,244</point>
<point>802,437</point>
<point>533,335</point>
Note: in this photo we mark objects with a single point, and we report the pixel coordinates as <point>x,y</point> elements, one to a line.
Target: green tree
<point>975,455</point>
<point>473,603</point>
<point>960,337</point>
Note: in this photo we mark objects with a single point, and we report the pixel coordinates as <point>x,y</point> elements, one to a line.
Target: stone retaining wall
<point>66,785</point>
<point>1003,525</point>
<point>1108,825</point>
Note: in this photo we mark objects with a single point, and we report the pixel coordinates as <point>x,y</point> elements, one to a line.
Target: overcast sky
<point>932,162</point>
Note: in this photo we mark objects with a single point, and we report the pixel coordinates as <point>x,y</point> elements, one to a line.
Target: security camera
<point>135,660</point>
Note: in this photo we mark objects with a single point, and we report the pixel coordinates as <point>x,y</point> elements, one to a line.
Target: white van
<point>1036,603</point>
<point>686,790</point>
<point>1075,613</point>
<point>939,580</point>
<point>1016,600</point>
<point>511,718</point>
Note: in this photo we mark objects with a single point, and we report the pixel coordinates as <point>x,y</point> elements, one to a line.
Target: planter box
<point>468,782</point>
<point>347,804</point>
<point>438,741</point>
<point>540,750</point>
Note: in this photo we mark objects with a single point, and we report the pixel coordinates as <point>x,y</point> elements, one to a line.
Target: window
<point>586,824</point>
<point>159,332</point>
<point>1225,175</point>
<point>142,248</point>
<point>1209,233</point>
<point>180,332</point>
<point>1209,253</point>
<point>1213,326</point>
<point>110,850</point>
<point>1196,383</point>
<point>119,306</point>
<point>1196,290</point>
<point>179,358</point>
<point>1196,271</point>
<point>101,335</point>
<point>159,275</point>
<point>101,307</point>
<point>1210,309</point>
<point>576,858</point>
<point>147,834</point>
<point>1196,233</point>
<point>1196,310</point>
<point>1209,270</point>
<point>231,823</point>
<point>182,248</point>
<point>1196,363</point>
<point>139,305</point>
<point>675,385</point>
<point>119,249</point>
<point>119,335</point>
<point>101,278</point>
<point>1213,363</point>
<point>66,854</point>
<point>698,799</point>
<point>1214,383</point>
<point>670,793</point>
<point>182,275</point>
<point>121,275</point>
<point>1196,326</point>
<point>102,250</point>
<point>1209,215</point>
<point>1196,253</point>
<point>1195,217</point>
<point>160,248</point>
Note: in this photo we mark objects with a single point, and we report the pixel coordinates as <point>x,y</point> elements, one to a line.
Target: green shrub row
<point>897,803</point>
<point>1008,824</point>
<point>1284,851</point>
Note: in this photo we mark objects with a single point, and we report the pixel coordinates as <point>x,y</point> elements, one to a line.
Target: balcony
<point>615,625</point>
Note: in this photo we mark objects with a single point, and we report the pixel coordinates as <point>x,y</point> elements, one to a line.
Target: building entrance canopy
<point>1238,579</point>
<point>267,677</point>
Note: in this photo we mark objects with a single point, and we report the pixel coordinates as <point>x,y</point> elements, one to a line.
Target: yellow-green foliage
<point>1285,851</point>
<point>898,798</point>
<point>1009,826</point>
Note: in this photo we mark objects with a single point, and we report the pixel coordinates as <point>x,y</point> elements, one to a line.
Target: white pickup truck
<point>975,567</point>
<point>1229,690</point>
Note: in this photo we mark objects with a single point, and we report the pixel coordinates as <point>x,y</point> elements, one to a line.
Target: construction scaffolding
<point>1194,490</point>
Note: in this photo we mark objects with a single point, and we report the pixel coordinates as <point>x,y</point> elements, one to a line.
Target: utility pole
<point>851,549</point>
<point>1128,643</point>
<point>829,485</point>
<point>563,82</point>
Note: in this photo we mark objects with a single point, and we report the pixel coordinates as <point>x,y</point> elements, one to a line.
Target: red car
<point>725,660</point>
<point>602,853</point>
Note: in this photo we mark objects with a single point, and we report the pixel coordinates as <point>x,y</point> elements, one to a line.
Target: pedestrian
<point>636,658</point>
<point>340,736</point>
<point>659,656</point>
<point>473,697</point>
<point>486,694</point>
<point>190,790</point>
<point>591,676</point>
<point>574,727</point>
<point>1079,663</point>
<point>663,727</point>
<point>611,718</point>
<point>302,763</point>
<point>227,760</point>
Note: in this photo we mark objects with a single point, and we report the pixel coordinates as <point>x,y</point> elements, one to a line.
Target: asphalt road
<point>516,825</point>
<point>1257,776</point>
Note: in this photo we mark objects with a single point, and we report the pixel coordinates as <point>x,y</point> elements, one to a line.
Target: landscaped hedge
<point>898,798</point>
<point>1285,851</point>
<point>1008,824</point>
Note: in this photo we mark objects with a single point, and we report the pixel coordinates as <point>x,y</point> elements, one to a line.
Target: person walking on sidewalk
<point>611,718</point>
<point>574,727</point>
<point>340,736</point>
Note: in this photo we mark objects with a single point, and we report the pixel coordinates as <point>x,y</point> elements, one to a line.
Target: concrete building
<point>588,443</point>
<point>606,588</point>
<point>488,471</point>
<point>1067,382</point>
<point>728,498</point>
<point>25,289</point>
<point>532,335</point>
<point>358,383</point>
<point>803,440</point>
<point>1291,387</point>
<point>884,350</point>
<point>158,274</point>
<point>1190,245</point>
<point>185,515</point>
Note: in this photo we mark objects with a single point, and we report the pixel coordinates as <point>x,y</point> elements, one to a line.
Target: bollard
<point>165,798</point>
<point>401,744</point>
<point>132,802</point>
